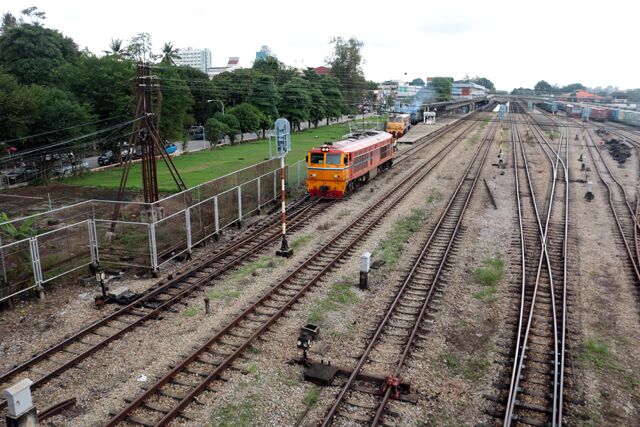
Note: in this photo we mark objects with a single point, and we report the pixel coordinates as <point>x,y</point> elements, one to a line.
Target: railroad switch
<point>308,333</point>
<point>394,383</point>
<point>320,373</point>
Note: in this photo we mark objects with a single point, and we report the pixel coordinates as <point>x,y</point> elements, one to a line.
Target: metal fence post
<point>93,242</point>
<point>4,267</point>
<point>35,263</point>
<point>216,218</point>
<point>259,178</point>
<point>187,225</point>
<point>275,186</point>
<point>239,203</point>
<point>153,248</point>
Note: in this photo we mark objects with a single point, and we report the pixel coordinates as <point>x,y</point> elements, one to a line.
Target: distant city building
<point>581,96</point>
<point>232,64</point>
<point>467,90</point>
<point>194,58</point>
<point>264,53</point>
<point>406,90</point>
<point>322,70</point>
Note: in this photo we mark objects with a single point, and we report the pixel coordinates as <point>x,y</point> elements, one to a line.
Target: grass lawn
<point>202,166</point>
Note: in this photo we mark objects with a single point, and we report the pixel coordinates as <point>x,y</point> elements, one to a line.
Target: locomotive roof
<point>358,140</point>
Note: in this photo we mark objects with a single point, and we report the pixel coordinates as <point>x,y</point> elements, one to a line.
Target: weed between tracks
<point>390,248</point>
<point>300,242</point>
<point>311,396</point>
<point>263,262</point>
<point>340,295</point>
<point>597,353</point>
<point>235,414</point>
<point>489,275</point>
<point>472,368</point>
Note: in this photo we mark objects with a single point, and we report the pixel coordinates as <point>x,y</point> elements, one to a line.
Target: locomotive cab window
<point>333,159</point>
<point>346,159</point>
<point>317,158</point>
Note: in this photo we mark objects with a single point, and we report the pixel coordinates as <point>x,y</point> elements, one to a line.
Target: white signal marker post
<point>283,142</point>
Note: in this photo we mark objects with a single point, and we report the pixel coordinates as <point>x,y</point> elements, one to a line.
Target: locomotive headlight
<point>336,176</point>
<point>313,175</point>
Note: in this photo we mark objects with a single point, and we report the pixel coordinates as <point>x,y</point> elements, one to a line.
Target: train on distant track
<point>335,169</point>
<point>398,124</point>
<point>590,112</point>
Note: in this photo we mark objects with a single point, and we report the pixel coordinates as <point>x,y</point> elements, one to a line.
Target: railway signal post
<point>283,143</point>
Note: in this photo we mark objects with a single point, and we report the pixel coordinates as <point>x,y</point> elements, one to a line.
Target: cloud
<point>446,23</point>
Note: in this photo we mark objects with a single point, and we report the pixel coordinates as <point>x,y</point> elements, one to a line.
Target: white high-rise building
<point>195,58</point>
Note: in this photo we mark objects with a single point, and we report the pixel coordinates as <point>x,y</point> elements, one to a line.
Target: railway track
<point>166,293</point>
<point>533,390</point>
<point>395,336</point>
<point>201,371</point>
<point>626,216</point>
<point>624,211</point>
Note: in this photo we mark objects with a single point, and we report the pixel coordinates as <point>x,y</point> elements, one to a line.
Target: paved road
<point>197,145</point>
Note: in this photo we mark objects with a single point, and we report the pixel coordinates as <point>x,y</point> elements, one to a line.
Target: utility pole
<point>283,142</point>
<point>146,132</point>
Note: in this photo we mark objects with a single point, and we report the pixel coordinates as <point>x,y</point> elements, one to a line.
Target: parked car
<point>21,175</point>
<point>171,148</point>
<point>67,169</point>
<point>106,158</point>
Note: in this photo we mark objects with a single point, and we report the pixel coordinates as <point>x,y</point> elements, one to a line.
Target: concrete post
<point>21,412</point>
<point>365,266</point>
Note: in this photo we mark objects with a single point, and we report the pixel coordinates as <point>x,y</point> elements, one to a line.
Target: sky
<point>513,43</point>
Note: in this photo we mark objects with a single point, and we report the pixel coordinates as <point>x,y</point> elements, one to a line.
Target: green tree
<point>52,107</point>
<point>177,104</point>
<point>169,54</point>
<point>317,111</point>
<point>235,87</point>
<point>215,130</point>
<point>483,81</point>
<point>232,125</point>
<point>346,65</point>
<point>573,87</point>
<point>334,102</point>
<point>8,21</point>
<point>116,49</point>
<point>202,91</point>
<point>140,48</point>
<point>248,118</point>
<point>32,53</point>
<point>102,83</point>
<point>522,91</point>
<point>442,87</point>
<point>34,14</point>
<point>264,96</point>
<point>272,67</point>
<point>543,88</point>
<point>13,109</point>
<point>417,82</point>
<point>295,102</point>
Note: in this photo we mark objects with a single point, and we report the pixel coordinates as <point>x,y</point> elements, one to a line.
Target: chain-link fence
<point>43,247</point>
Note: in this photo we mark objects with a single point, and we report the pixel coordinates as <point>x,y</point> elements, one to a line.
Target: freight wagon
<point>599,114</point>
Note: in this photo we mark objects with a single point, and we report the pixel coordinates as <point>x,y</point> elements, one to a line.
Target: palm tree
<point>169,54</point>
<point>116,48</point>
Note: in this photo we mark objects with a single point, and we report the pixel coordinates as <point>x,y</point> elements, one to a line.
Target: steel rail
<point>611,200</point>
<point>406,283</point>
<point>160,288</point>
<point>521,346</point>
<point>388,200</point>
<point>385,399</point>
<point>172,284</point>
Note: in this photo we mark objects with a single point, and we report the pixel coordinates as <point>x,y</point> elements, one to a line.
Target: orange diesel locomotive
<point>336,168</point>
